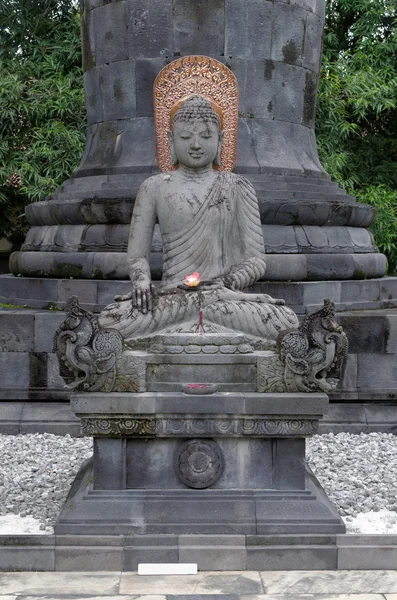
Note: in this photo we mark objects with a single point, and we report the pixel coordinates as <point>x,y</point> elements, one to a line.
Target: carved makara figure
<point>210,223</point>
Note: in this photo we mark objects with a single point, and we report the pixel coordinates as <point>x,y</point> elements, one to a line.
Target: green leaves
<point>357,108</point>
<point>42,108</point>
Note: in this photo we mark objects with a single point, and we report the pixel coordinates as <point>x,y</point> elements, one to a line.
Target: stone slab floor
<point>227,585</point>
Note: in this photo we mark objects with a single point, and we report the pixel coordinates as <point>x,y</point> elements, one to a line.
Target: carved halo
<point>196,75</point>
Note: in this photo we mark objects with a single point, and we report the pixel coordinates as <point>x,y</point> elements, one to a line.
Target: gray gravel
<point>36,472</point>
<point>359,472</point>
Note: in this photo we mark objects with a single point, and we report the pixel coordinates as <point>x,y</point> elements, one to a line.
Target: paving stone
<point>288,33</point>
<point>312,48</point>
<point>351,290</point>
<point>247,161</point>
<point>110,27</point>
<point>87,39</point>
<point>367,334</point>
<point>15,369</point>
<point>297,558</point>
<point>214,552</point>
<point>375,415</point>
<point>146,71</point>
<point>150,28</point>
<point>289,82</point>
<point>256,92</point>
<point>273,145</point>
<point>160,555</point>
<point>27,288</point>
<point>315,292</point>
<point>231,582</point>
<point>117,83</point>
<point>86,291</point>
<point>329,582</point>
<point>16,331</point>
<point>318,597</point>
<point>349,379</point>
<point>77,558</point>
<point>198,27</point>
<point>343,417</point>
<point>11,411</point>
<point>207,597</point>
<point>248,29</point>
<point>47,584</point>
<point>33,558</point>
<point>286,267</point>
<point>149,549</point>
<point>93,96</point>
<point>40,412</point>
<point>385,376</point>
<point>391,346</point>
<point>45,326</point>
<point>59,596</point>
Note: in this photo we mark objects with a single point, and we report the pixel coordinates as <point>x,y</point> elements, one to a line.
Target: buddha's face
<point>195,144</point>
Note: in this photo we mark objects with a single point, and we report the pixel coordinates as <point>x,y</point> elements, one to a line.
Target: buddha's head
<point>196,136</point>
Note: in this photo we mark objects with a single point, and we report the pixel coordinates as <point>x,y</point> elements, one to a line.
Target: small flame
<point>193,279</point>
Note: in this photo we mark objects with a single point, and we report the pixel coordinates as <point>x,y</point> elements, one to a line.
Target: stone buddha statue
<point>210,224</point>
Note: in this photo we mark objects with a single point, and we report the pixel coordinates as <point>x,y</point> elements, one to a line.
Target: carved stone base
<point>178,463</point>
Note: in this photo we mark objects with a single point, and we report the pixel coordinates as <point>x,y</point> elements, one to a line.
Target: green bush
<point>42,109</point>
<point>356,114</point>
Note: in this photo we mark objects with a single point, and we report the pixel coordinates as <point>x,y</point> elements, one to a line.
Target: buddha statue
<point>210,224</point>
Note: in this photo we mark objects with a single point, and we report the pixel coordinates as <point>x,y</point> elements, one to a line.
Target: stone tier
<point>86,223</point>
<point>280,267</point>
<point>283,200</point>
<point>227,463</point>
<point>279,239</point>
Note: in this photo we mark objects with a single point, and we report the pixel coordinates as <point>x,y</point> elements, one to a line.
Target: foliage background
<point>356,112</point>
<point>42,107</point>
<point>42,114</point>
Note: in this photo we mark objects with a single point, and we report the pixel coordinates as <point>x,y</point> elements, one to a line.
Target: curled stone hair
<point>196,108</point>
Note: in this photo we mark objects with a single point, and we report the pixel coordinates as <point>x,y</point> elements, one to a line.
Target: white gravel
<point>358,472</point>
<point>36,472</point>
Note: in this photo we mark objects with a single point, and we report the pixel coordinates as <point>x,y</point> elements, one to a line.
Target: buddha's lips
<point>192,280</point>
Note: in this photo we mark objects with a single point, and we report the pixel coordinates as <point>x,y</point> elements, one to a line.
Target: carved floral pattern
<point>199,463</point>
<point>108,427</point>
<point>205,427</point>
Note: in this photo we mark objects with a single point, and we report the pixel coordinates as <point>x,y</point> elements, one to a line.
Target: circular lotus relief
<point>199,463</point>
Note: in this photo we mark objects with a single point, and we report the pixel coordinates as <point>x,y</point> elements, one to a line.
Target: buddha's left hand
<point>271,300</point>
<point>259,298</point>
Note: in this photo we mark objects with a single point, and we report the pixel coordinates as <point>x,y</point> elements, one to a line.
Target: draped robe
<point>222,241</point>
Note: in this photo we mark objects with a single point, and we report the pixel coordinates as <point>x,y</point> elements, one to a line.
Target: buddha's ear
<point>217,159</point>
<point>174,158</point>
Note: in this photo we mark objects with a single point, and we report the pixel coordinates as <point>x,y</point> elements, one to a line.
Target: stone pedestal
<point>182,463</point>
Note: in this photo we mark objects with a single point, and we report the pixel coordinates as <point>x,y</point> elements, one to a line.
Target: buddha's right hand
<point>141,296</point>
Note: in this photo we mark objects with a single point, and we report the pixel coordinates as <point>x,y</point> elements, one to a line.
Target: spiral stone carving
<point>199,463</point>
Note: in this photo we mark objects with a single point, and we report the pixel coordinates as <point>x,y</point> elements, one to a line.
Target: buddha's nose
<point>195,145</point>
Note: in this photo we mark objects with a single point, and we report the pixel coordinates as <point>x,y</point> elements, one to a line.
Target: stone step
<point>305,296</point>
<point>340,566</point>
